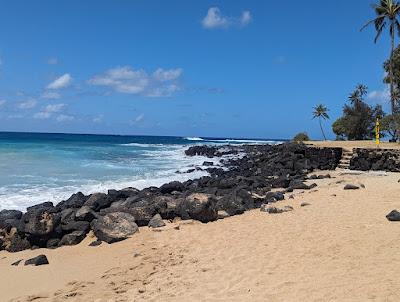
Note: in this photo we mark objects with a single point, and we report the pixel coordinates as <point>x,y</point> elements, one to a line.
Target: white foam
<point>194,138</point>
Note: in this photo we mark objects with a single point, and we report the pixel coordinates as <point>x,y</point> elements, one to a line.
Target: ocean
<point>39,167</point>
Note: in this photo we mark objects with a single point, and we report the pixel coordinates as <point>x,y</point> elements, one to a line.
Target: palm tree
<point>320,112</point>
<point>387,13</point>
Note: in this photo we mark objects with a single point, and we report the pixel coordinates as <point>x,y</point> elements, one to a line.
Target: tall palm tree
<point>387,13</point>
<point>321,112</point>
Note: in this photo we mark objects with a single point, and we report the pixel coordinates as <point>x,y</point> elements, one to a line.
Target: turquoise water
<point>36,167</point>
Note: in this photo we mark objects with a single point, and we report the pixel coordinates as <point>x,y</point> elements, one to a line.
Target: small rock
<point>39,260</point>
<point>291,197</point>
<point>393,216</point>
<point>304,204</point>
<point>95,243</point>
<point>270,210</point>
<point>16,263</point>
<point>222,214</point>
<point>288,208</point>
<point>156,222</point>
<point>362,186</point>
<point>351,187</point>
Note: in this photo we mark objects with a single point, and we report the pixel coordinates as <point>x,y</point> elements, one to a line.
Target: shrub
<point>301,137</point>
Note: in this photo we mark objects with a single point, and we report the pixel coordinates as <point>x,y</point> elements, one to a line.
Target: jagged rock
<point>85,214</point>
<point>114,227</point>
<point>75,201</point>
<point>98,201</point>
<point>351,187</point>
<point>39,260</point>
<point>39,221</point>
<point>12,241</point>
<point>200,207</point>
<point>72,238</point>
<point>52,243</point>
<point>170,187</point>
<point>156,222</point>
<point>72,226</point>
<point>393,216</point>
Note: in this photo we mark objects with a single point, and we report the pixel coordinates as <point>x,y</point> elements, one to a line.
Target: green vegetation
<point>301,137</point>
<point>358,120</point>
<point>321,112</point>
<point>387,13</point>
<point>389,125</point>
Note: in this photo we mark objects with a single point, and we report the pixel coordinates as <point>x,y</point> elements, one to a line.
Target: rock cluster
<point>245,182</point>
<point>377,160</point>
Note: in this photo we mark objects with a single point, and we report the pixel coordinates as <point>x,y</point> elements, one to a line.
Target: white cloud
<point>380,95</point>
<point>98,119</point>
<point>61,82</point>
<point>2,103</point>
<point>48,111</point>
<point>215,19</point>
<point>42,115</point>
<point>125,79</point>
<point>167,75</point>
<point>64,118</point>
<point>52,61</point>
<point>50,95</point>
<point>246,18</point>
<point>27,105</point>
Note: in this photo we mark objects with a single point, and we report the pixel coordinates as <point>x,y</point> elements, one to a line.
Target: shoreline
<point>245,182</point>
<point>339,247</point>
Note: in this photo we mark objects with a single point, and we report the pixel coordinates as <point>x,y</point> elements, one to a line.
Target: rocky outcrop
<point>375,159</point>
<point>246,181</point>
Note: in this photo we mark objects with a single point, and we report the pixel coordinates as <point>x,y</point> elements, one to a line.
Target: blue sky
<point>177,67</point>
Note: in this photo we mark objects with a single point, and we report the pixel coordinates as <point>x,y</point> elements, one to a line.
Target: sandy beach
<point>349,145</point>
<point>339,248</point>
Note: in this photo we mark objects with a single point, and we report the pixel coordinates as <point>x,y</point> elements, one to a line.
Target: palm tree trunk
<point>322,130</point>
<point>392,100</point>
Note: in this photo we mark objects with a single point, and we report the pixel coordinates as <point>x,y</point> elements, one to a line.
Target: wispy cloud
<point>61,82</point>
<point>48,111</point>
<point>29,104</point>
<point>50,95</point>
<point>215,19</point>
<point>125,79</point>
<point>380,96</point>
<point>65,118</point>
<point>2,103</point>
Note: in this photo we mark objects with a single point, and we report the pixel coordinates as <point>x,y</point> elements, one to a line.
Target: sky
<point>243,68</point>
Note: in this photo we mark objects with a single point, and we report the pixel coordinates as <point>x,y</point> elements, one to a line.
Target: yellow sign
<point>377,129</point>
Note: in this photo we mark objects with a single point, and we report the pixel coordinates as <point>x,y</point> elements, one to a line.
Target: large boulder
<point>156,222</point>
<point>75,201</point>
<point>171,187</point>
<point>12,241</point>
<point>85,214</point>
<point>114,227</point>
<point>199,206</point>
<point>98,201</point>
<point>39,221</point>
<point>72,238</point>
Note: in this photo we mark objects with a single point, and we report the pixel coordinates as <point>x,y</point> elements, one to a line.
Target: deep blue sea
<point>38,167</point>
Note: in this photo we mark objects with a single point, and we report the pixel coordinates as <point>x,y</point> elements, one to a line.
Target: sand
<point>339,248</point>
<point>354,144</point>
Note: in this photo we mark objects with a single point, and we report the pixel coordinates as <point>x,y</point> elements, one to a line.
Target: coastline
<point>340,247</point>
